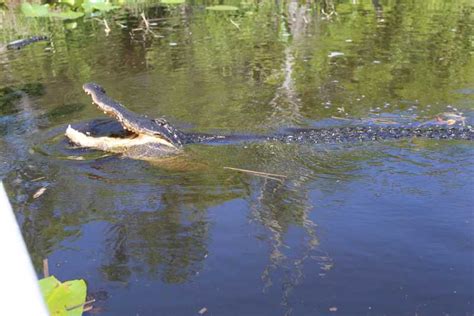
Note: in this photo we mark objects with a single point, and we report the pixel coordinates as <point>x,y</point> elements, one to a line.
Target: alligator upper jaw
<point>137,124</point>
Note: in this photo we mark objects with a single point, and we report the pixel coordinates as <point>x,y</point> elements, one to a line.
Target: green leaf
<point>71,3</point>
<point>104,7</point>
<point>34,10</point>
<point>65,298</point>
<point>47,285</point>
<point>70,25</point>
<point>67,15</point>
<point>98,5</point>
<point>173,1</point>
<point>222,8</point>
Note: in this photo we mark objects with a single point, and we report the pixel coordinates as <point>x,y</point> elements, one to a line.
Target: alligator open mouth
<point>145,136</point>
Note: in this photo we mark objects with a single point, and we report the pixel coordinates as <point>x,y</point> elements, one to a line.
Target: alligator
<point>18,44</point>
<point>143,137</point>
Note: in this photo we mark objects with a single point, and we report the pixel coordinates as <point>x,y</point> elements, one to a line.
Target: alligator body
<point>142,137</point>
<point>18,44</point>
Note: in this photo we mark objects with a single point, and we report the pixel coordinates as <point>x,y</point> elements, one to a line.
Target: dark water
<point>381,228</point>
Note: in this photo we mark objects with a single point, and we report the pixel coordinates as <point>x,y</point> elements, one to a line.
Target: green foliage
<point>172,1</point>
<point>66,298</point>
<point>39,11</point>
<point>67,15</point>
<point>222,8</point>
<point>72,3</point>
<point>98,5</point>
<point>35,10</point>
<point>74,8</point>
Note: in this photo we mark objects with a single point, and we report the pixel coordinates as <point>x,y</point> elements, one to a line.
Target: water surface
<point>355,229</point>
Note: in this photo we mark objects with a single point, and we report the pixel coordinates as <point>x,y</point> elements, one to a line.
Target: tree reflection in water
<point>277,207</point>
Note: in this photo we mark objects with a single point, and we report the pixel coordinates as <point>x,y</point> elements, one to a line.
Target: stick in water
<point>272,176</point>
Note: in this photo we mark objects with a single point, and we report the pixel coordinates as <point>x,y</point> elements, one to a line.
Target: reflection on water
<point>381,228</point>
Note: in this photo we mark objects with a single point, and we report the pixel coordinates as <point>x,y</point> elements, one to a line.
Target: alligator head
<point>145,137</point>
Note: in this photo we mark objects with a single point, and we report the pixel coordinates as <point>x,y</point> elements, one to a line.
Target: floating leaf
<point>173,1</point>
<point>72,3</point>
<point>47,285</point>
<point>34,10</point>
<point>65,298</point>
<point>105,7</point>
<point>39,193</point>
<point>67,15</point>
<point>222,8</point>
<point>98,5</point>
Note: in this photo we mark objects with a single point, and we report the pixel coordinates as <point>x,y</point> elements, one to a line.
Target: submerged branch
<point>273,176</point>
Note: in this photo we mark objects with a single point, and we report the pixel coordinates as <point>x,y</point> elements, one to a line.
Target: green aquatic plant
<point>64,298</point>
<point>222,8</point>
<point>172,1</point>
<point>34,9</point>
<point>66,9</point>
<point>98,5</point>
<point>43,10</point>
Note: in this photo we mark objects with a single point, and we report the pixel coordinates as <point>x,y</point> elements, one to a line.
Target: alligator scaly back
<point>375,133</point>
<point>18,44</point>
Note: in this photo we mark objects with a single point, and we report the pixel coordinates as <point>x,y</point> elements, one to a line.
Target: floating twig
<point>39,193</point>
<point>104,22</point>
<point>273,176</point>
<point>234,24</point>
<point>147,24</point>
<point>147,29</point>
<point>45,268</point>
<point>123,26</point>
<point>82,305</point>
<point>107,28</point>
<point>87,308</point>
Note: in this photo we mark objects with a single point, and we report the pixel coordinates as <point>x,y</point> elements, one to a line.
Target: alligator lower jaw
<point>153,146</point>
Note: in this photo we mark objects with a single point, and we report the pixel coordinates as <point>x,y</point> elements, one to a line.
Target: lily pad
<point>72,3</point>
<point>98,5</point>
<point>173,1</point>
<point>34,10</point>
<point>66,15</point>
<point>222,8</point>
<point>64,299</point>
